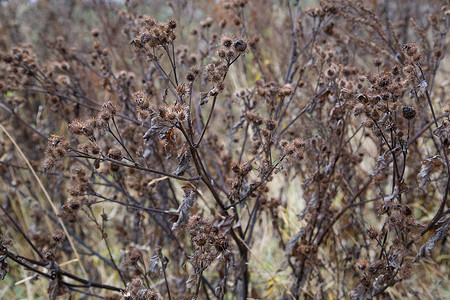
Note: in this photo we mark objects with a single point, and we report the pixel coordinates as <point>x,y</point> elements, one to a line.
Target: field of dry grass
<point>231,149</point>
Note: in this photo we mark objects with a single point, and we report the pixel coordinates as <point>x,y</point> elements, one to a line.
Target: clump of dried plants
<point>224,149</point>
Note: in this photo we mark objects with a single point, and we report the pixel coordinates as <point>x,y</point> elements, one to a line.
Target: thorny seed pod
<point>372,233</point>
<point>246,168</point>
<point>406,210</point>
<point>437,52</point>
<point>265,132</point>
<point>408,69</point>
<point>74,205</point>
<point>377,62</point>
<point>96,45</point>
<point>207,22</point>
<point>7,59</point>
<point>221,53</point>
<point>221,244</point>
<point>226,41</point>
<point>410,49</point>
<point>362,98</point>
<point>87,129</point>
<point>240,45</point>
<point>384,208</point>
<point>305,249</point>
<point>298,143</point>
<point>298,155</point>
<point>115,167</point>
<point>361,264</point>
<point>235,168</point>
<point>271,124</point>
<point>76,127</point>
<point>115,153</point>
<point>95,32</point>
<point>49,255</point>
<point>374,114</point>
<point>409,112</point>
<point>58,236</point>
<point>190,76</point>
<point>172,24</point>
<point>375,99</point>
<point>286,90</point>
<point>330,72</point>
<point>283,143</point>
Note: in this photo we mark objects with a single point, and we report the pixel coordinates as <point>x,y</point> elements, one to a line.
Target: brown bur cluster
<point>231,149</point>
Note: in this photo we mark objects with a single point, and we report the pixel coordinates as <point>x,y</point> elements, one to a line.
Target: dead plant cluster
<point>231,149</point>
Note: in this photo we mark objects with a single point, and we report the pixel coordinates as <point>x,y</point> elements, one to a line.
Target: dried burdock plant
<point>224,149</point>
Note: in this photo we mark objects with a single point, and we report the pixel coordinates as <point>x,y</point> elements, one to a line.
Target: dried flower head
<point>240,45</point>
<point>361,264</point>
<point>408,112</point>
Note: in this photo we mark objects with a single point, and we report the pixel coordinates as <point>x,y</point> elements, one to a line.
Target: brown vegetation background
<point>224,149</point>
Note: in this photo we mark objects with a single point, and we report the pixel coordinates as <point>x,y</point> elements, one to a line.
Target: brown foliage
<point>242,149</point>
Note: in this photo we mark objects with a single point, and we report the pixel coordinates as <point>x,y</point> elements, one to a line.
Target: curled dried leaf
<point>422,88</point>
<point>192,280</point>
<point>185,207</point>
<point>224,224</point>
<point>309,207</point>
<point>184,164</point>
<point>154,268</point>
<point>293,241</point>
<point>4,267</point>
<point>435,237</point>
<point>159,128</point>
<point>55,289</point>
<point>380,165</point>
<point>443,131</point>
<point>429,166</point>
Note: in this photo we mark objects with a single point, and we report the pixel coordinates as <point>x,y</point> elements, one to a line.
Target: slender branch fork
<point>29,264</point>
<point>134,166</point>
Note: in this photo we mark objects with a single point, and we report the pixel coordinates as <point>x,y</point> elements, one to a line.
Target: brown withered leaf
<point>184,164</point>
<point>435,237</point>
<point>4,267</point>
<point>192,281</point>
<point>380,165</point>
<point>224,224</point>
<point>204,98</point>
<point>55,289</point>
<point>422,88</point>
<point>443,131</point>
<point>309,206</point>
<point>154,268</point>
<point>429,166</point>
<point>171,143</point>
<point>293,240</point>
<point>159,128</point>
<point>185,207</point>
